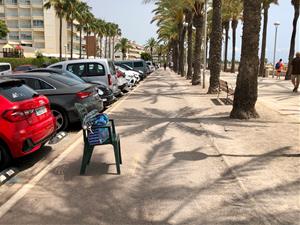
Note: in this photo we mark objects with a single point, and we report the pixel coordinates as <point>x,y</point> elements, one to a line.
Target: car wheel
<point>61,119</point>
<point>5,158</point>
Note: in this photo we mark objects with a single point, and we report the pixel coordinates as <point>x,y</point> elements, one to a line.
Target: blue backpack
<point>277,66</point>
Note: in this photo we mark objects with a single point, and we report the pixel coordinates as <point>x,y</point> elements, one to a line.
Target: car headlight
<point>100,92</point>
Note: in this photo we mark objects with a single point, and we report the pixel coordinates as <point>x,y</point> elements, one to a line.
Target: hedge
<point>33,61</point>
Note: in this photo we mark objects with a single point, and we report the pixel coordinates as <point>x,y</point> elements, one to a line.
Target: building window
<point>26,36</point>
<point>38,23</point>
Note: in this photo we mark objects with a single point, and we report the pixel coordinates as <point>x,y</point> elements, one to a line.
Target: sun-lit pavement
<point>184,162</point>
<point>275,94</point>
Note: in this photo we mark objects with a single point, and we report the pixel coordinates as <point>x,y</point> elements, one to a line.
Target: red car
<point>26,121</point>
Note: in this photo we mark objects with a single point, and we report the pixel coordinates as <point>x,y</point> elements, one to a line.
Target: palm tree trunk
<point>264,41</point>
<point>181,51</point>
<point>60,38</point>
<point>105,52</point>
<point>72,42</point>
<point>215,47</point>
<point>113,49</point>
<point>80,43</point>
<point>109,47</point>
<point>175,56</point>
<point>245,95</point>
<point>198,23</point>
<point>190,45</point>
<point>100,46</point>
<point>293,38</point>
<point>226,26</point>
<point>234,24</point>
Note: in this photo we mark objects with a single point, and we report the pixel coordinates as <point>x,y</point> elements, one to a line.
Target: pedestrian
<point>295,67</point>
<point>165,66</point>
<point>279,67</point>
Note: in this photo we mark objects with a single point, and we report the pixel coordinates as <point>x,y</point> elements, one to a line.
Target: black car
<point>104,92</point>
<point>63,93</point>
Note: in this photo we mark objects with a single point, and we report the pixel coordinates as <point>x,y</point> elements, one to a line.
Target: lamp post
<point>276,24</point>
<point>205,38</point>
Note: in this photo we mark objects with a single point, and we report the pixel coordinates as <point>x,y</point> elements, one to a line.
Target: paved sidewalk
<point>274,94</point>
<point>185,162</point>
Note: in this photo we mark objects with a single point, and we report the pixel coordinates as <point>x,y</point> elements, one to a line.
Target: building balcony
<point>11,3</point>
<point>37,3</point>
<point>13,38</point>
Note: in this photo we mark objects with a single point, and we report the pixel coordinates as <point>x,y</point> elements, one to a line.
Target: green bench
<point>113,139</point>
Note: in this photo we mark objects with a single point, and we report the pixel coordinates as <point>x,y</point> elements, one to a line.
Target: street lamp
<point>276,24</point>
<point>66,52</point>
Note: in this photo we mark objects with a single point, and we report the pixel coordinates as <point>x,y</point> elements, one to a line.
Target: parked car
<point>104,92</point>
<point>151,66</point>
<point>122,82</point>
<point>63,93</point>
<point>26,121</point>
<point>128,68</point>
<point>130,76</point>
<point>23,68</point>
<point>136,65</point>
<point>92,70</point>
<point>5,69</point>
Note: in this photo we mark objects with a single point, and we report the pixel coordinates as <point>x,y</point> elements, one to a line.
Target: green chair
<point>113,139</point>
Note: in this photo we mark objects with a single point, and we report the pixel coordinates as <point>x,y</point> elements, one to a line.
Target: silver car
<point>98,71</point>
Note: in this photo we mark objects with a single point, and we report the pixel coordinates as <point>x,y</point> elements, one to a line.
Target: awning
<point>7,46</point>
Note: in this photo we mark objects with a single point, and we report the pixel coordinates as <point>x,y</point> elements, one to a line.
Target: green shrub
<point>33,61</point>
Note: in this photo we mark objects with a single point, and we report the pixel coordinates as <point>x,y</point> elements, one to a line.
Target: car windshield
<point>16,91</point>
<point>23,68</point>
<point>66,80</point>
<point>126,67</point>
<point>73,76</point>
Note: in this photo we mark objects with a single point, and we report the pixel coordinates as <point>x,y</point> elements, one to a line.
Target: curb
<point>7,174</point>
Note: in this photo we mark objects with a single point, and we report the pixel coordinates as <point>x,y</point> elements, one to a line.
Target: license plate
<point>40,111</point>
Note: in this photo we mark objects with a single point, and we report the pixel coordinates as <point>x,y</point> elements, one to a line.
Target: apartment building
<point>133,53</point>
<point>35,28</point>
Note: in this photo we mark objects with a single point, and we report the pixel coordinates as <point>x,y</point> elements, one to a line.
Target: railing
<point>29,38</point>
<point>11,2</point>
<point>37,2</point>
<point>14,37</point>
<point>24,2</point>
<point>25,25</point>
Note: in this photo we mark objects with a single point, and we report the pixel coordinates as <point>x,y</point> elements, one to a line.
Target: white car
<point>5,69</point>
<point>151,66</point>
<point>92,70</point>
<point>132,77</point>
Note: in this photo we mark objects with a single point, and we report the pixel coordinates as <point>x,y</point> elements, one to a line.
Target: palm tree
<point>198,22</point>
<point>245,95</point>
<point>150,45</point>
<point>216,50</point>
<point>72,6</point>
<point>189,18</point>
<point>60,9</point>
<point>116,32</point>
<point>107,34</point>
<point>226,24</point>
<point>123,46</point>
<point>296,4</point>
<point>100,31</point>
<point>236,9</point>
<point>82,18</point>
<point>266,6</point>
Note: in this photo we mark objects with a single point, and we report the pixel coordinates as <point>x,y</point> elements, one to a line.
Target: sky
<point>134,19</point>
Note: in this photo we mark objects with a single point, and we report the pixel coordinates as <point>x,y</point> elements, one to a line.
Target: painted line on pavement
<point>31,184</point>
<point>12,201</point>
